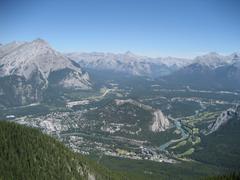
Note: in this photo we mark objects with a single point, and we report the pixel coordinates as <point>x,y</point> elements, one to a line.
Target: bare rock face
<point>224,117</point>
<point>160,122</point>
<point>74,80</point>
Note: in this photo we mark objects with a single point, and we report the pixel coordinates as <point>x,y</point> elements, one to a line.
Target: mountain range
<point>209,71</point>
<point>28,69</point>
<point>129,63</point>
<point>142,65</point>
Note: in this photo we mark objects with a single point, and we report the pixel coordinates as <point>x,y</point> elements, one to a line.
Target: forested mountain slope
<point>26,153</point>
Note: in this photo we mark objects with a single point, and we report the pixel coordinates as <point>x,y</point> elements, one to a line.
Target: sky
<point>183,28</point>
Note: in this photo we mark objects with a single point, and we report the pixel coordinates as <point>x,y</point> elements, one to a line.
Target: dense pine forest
<point>26,153</point>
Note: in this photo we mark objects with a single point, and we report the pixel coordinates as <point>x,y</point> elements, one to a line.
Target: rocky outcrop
<point>224,117</point>
<point>160,122</point>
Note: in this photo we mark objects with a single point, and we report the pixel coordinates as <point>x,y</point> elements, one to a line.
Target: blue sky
<point>181,28</point>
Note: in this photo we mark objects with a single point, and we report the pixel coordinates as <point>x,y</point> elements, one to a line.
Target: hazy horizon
<point>149,28</point>
<point>134,53</point>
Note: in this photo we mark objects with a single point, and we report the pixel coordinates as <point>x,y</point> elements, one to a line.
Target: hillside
<point>26,153</point>
<point>221,148</point>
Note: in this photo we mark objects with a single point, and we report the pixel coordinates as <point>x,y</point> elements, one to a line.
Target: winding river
<point>184,134</point>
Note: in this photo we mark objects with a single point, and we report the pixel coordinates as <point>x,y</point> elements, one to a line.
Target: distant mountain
<point>210,71</point>
<point>26,153</point>
<point>213,60</point>
<point>129,63</point>
<point>28,69</point>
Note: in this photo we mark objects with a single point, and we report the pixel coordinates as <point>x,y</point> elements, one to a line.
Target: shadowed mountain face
<point>25,70</point>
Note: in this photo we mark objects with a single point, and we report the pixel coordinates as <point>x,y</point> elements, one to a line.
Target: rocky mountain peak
<point>34,63</point>
<point>40,42</point>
